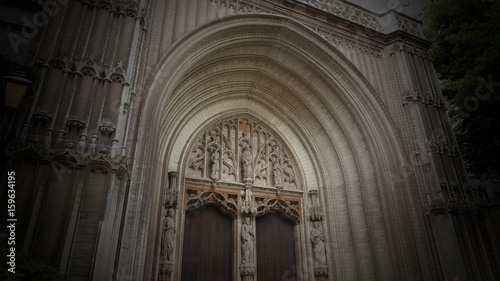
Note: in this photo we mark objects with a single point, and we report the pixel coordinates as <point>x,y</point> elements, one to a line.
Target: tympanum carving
<point>242,150</point>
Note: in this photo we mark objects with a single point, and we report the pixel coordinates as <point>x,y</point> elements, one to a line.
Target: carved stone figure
<point>215,165</point>
<point>167,242</point>
<point>246,162</point>
<point>318,243</point>
<point>277,174</point>
<point>247,242</point>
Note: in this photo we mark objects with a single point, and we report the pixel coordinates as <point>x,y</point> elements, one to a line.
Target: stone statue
<point>247,162</point>
<point>277,173</point>
<point>215,164</point>
<point>247,242</point>
<point>167,242</point>
<point>318,243</point>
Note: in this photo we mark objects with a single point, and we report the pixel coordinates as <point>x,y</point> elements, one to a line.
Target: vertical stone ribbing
<point>72,23</point>
<point>80,103</point>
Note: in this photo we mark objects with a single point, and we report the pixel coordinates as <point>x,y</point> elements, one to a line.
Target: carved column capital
<point>247,272</point>
<point>321,273</point>
<point>165,271</point>
<point>107,129</point>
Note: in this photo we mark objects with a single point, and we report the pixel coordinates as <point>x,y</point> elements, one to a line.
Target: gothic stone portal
<point>239,166</point>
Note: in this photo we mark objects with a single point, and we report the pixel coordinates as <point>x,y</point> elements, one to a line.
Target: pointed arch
<point>309,93</point>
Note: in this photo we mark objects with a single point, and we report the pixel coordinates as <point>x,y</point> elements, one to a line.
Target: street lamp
<point>16,89</point>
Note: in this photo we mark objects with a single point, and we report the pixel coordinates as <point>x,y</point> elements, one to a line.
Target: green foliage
<point>27,268</point>
<point>465,49</point>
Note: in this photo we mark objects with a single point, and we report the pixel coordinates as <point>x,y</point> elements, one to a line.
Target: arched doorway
<point>332,151</point>
<point>242,167</point>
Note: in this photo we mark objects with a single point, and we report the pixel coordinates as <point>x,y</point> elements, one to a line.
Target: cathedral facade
<point>242,140</point>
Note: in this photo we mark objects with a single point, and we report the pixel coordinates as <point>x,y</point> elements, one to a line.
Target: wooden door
<point>208,246</point>
<point>275,249</point>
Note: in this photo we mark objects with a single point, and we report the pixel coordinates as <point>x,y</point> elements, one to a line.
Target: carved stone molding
<point>346,11</point>
<point>42,117</point>
<point>75,124</point>
<point>409,26</point>
<point>247,272</point>
<point>165,271</point>
<point>315,211</point>
<point>321,273</point>
<point>400,46</point>
<point>336,9</point>
<point>107,129</point>
<point>410,96</point>
<point>456,204</point>
<point>227,203</point>
<point>171,193</point>
<point>126,8</point>
<point>287,208</point>
<point>88,67</point>
<point>117,163</point>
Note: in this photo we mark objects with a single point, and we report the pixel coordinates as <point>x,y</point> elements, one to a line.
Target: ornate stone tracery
<point>287,208</point>
<point>242,150</point>
<point>243,169</point>
<point>228,203</point>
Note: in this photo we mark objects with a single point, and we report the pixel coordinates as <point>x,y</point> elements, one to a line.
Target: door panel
<point>207,249</point>
<point>275,249</point>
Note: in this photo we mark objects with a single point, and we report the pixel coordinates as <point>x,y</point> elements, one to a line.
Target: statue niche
<point>241,150</point>
<point>167,242</point>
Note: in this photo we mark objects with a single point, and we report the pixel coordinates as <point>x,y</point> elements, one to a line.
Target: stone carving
<point>321,273</point>
<point>165,272</point>
<point>455,203</point>
<point>171,193</point>
<point>318,243</point>
<point>315,211</point>
<point>247,242</point>
<point>117,164</point>
<point>75,124</point>
<point>215,165</point>
<point>42,117</point>
<point>276,173</point>
<point>168,237</point>
<point>107,129</point>
<point>247,272</point>
<point>228,203</point>
<point>246,162</point>
<point>246,151</point>
<point>289,209</point>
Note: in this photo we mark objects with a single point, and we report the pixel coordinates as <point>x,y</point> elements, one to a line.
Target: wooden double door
<point>209,241</point>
